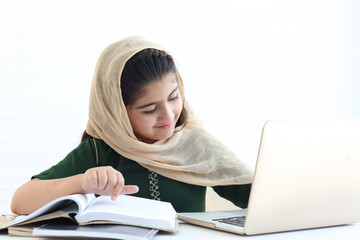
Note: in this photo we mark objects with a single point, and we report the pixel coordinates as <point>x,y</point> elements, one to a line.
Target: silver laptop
<point>307,176</point>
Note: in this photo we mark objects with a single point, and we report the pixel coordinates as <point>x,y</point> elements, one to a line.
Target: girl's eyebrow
<point>153,103</point>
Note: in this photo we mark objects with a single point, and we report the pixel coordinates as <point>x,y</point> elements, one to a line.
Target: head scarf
<point>191,155</point>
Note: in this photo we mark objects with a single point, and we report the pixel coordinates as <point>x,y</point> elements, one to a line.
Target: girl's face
<point>153,116</point>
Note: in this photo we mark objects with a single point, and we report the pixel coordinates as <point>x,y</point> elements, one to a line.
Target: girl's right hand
<point>106,181</point>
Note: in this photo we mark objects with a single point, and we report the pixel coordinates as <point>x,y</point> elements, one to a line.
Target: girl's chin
<point>160,137</point>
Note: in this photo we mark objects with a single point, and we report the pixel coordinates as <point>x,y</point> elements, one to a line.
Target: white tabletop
<point>187,231</point>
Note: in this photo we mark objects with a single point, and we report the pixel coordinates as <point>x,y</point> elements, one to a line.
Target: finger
<point>102,178</point>
<point>129,189</point>
<point>111,181</point>
<point>118,186</point>
<point>91,178</point>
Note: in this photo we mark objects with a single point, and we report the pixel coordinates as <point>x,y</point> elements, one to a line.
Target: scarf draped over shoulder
<point>191,155</point>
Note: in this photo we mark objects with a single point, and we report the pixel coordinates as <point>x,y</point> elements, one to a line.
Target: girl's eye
<point>174,98</point>
<point>150,112</point>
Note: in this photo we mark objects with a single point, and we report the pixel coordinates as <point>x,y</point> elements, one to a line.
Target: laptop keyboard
<point>237,221</point>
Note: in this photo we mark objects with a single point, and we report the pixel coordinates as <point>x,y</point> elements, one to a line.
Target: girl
<point>141,138</point>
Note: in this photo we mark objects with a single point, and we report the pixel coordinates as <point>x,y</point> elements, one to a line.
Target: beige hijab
<point>191,155</point>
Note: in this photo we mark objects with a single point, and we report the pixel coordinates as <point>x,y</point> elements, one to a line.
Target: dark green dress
<point>183,196</point>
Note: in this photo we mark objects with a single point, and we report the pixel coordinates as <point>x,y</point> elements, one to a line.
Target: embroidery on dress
<point>153,186</point>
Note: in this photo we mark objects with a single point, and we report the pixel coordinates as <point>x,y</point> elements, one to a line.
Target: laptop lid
<point>307,176</point>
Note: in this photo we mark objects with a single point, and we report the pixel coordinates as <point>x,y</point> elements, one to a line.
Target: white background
<point>242,62</point>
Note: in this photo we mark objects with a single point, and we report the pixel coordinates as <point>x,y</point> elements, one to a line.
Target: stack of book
<point>84,215</point>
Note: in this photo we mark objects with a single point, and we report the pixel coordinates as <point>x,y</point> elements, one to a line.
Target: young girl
<point>141,138</point>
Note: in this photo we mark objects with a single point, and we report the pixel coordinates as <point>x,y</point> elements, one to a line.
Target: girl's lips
<point>166,126</point>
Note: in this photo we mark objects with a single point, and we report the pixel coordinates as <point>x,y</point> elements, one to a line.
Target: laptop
<point>306,176</point>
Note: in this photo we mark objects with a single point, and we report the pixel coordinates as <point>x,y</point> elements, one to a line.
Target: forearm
<point>36,193</point>
<point>100,180</point>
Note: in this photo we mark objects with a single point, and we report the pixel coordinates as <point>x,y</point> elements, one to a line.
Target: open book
<point>87,209</point>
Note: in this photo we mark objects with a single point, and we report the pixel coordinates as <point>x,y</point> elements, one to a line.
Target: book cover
<point>95,231</point>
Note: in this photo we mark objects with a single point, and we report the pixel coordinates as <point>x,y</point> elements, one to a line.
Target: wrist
<point>79,184</point>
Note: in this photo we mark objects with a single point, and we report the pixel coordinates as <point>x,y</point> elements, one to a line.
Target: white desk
<point>187,231</point>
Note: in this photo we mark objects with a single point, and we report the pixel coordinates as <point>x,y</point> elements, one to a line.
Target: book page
<point>130,210</point>
<point>58,204</point>
<point>130,206</point>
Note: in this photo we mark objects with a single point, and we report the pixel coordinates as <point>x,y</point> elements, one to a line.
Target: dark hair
<point>145,67</point>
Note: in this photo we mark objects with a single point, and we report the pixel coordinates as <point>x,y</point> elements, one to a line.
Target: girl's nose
<point>167,114</point>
